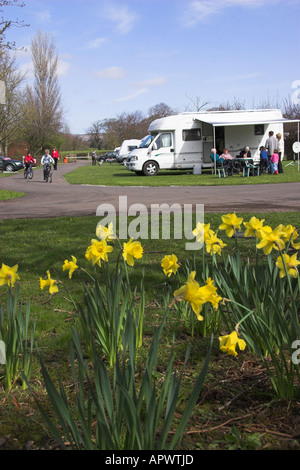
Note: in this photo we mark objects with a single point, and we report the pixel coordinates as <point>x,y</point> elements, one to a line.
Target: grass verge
<point>117,175</point>
<point>5,194</point>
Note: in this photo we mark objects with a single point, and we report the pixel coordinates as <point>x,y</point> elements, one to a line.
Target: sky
<point>122,56</point>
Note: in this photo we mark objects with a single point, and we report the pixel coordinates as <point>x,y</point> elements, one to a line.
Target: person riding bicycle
<point>28,161</point>
<point>46,161</point>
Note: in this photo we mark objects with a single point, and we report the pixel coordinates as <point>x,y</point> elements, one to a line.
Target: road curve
<point>59,199</point>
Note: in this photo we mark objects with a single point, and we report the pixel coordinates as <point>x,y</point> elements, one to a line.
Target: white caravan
<point>126,147</point>
<point>185,140</point>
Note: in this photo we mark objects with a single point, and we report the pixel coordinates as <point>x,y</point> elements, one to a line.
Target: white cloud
<point>95,43</point>
<point>201,10</point>
<point>43,16</point>
<point>110,72</point>
<point>158,81</point>
<point>139,92</point>
<point>234,78</point>
<point>63,68</point>
<point>121,16</point>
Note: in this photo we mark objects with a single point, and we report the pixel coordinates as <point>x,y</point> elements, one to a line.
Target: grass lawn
<point>5,194</point>
<point>117,175</point>
<point>42,244</point>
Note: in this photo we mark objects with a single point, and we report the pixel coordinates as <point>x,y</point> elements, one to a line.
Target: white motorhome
<point>126,147</point>
<point>185,140</point>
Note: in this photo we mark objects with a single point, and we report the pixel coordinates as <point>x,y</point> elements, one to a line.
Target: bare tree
<point>196,103</point>
<point>95,131</point>
<point>43,100</point>
<point>160,110</point>
<point>12,112</point>
<point>131,125</point>
<point>5,23</point>
<point>235,105</point>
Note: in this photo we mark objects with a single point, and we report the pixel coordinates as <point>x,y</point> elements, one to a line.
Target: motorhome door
<point>163,150</point>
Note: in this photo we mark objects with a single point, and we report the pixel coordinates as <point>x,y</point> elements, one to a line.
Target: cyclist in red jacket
<point>28,161</point>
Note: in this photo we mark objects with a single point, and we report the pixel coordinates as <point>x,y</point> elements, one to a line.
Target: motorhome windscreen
<point>146,141</point>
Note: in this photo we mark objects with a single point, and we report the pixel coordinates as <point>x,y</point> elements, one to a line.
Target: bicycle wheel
<point>25,174</point>
<point>30,174</point>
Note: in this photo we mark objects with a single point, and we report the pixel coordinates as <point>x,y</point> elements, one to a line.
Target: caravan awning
<point>246,122</point>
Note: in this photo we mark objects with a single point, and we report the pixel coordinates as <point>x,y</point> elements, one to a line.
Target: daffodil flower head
<point>290,234</point>
<point>228,343</point>
<point>8,275</point>
<point>202,231</point>
<point>214,244</point>
<point>291,263</point>
<point>105,233</point>
<point>51,283</point>
<point>263,231</point>
<point>197,296</point>
<point>253,226</point>
<point>170,265</point>
<point>97,251</point>
<point>70,266</point>
<point>231,223</point>
<point>271,240</point>
<point>132,250</point>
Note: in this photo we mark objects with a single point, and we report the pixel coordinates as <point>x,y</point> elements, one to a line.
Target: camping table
<point>246,160</point>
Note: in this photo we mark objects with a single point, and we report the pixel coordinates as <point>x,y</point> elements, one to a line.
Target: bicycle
<point>48,174</point>
<point>28,172</point>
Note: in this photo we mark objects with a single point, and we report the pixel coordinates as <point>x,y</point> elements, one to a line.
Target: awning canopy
<point>244,122</point>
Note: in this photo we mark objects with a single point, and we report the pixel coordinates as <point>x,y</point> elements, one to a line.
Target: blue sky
<point>125,55</point>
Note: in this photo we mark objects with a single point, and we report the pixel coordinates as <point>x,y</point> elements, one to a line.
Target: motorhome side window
<point>164,140</point>
<point>191,134</point>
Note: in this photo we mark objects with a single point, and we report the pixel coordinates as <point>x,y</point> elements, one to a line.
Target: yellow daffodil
<point>253,226</point>
<point>263,231</point>
<point>209,292</point>
<point>197,296</point>
<point>97,251</point>
<point>214,244</point>
<point>131,250</point>
<point>105,233</point>
<point>228,343</point>
<point>202,231</point>
<point>291,264</point>
<point>49,282</point>
<point>8,275</point>
<point>231,223</point>
<point>271,240</point>
<point>170,265</point>
<point>290,233</point>
<point>70,265</point>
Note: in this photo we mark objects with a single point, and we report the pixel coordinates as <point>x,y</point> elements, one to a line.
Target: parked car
<point>7,164</point>
<point>108,156</point>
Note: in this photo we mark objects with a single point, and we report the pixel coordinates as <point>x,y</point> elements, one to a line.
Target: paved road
<point>62,199</point>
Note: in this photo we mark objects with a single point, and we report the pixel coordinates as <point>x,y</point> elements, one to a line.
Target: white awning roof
<point>244,122</point>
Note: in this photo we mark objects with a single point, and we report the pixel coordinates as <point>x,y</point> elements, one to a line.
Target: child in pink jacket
<point>275,160</point>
